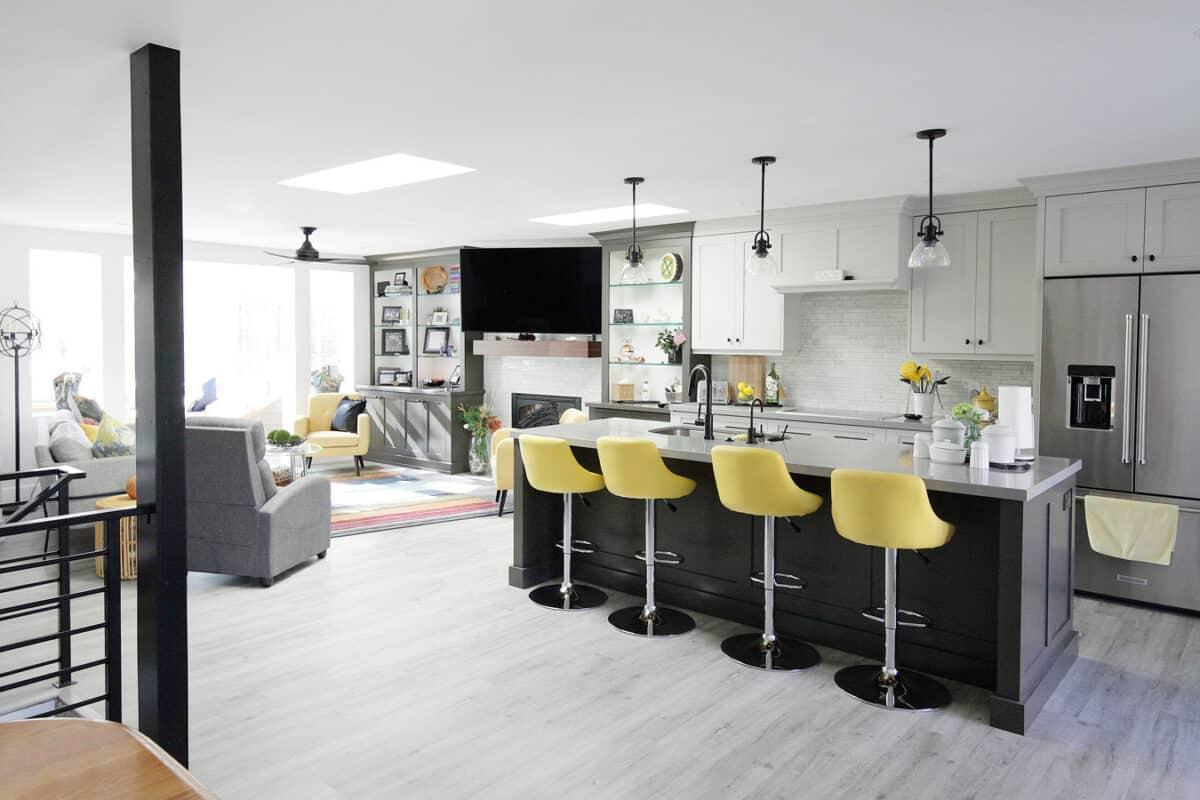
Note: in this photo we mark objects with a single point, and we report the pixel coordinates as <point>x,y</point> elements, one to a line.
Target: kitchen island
<point>1000,594</point>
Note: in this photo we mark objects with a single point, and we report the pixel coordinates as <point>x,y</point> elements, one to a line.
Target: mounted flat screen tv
<point>531,289</point>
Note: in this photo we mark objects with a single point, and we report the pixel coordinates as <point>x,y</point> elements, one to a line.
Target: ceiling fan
<point>307,253</point>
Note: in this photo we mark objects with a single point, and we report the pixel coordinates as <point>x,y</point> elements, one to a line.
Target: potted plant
<point>480,421</point>
<point>923,384</point>
<point>671,343</point>
<point>971,417</point>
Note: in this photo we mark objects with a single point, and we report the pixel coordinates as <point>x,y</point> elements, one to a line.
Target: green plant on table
<point>971,417</point>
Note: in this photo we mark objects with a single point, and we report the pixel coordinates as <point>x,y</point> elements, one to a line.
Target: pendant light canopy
<point>760,261</point>
<point>930,252</point>
<point>634,270</point>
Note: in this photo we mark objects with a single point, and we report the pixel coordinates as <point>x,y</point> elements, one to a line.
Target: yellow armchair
<point>315,428</point>
<point>502,464</point>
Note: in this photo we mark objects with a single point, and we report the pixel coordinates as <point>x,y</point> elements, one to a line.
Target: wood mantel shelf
<point>539,348</point>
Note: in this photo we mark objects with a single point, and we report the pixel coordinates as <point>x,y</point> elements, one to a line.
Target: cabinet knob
<point>966,341</point>
<point>1133,259</point>
<point>737,340</point>
<point>1150,257</point>
<point>727,339</point>
<point>980,341</point>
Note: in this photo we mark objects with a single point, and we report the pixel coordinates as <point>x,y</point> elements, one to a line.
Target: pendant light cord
<point>635,244</point>
<point>762,200</point>
<point>931,180</point>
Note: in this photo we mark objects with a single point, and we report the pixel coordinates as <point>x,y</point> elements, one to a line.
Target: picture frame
<point>394,342</point>
<point>622,316</point>
<point>400,279</point>
<point>391,315</point>
<point>439,317</point>
<point>381,288</point>
<point>385,376</point>
<point>437,339</point>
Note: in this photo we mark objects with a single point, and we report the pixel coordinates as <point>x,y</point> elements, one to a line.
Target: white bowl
<point>947,453</point>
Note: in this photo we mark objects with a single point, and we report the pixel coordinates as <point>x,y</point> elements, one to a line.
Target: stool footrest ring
<point>904,619</point>
<point>575,546</point>
<point>661,557</point>
<point>783,580</point>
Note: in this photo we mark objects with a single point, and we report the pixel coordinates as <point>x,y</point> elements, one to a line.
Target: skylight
<point>614,214</point>
<point>397,169</point>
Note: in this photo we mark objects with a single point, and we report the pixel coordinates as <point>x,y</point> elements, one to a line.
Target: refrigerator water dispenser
<point>1090,396</point>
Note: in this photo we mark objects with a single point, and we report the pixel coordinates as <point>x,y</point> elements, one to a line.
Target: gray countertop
<point>433,390</point>
<point>828,417</point>
<point>820,456</point>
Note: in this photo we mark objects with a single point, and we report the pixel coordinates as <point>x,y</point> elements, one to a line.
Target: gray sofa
<point>105,476</point>
<point>239,523</point>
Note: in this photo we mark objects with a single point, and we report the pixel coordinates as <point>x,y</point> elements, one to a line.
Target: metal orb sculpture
<point>20,332</point>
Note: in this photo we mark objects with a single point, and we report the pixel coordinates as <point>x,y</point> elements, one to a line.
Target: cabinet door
<point>802,250</point>
<point>377,413</point>
<point>1173,228</point>
<point>762,309</point>
<point>438,441</point>
<point>1098,233</point>
<point>716,292</point>
<point>416,425</point>
<point>942,318</point>
<point>1006,282</point>
<point>393,420</point>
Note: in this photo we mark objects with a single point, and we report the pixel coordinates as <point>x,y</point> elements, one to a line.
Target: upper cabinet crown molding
<point>645,232</point>
<point>1185,170</point>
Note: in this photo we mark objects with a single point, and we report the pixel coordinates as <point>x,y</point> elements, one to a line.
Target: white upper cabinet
<point>1096,233</point>
<point>1006,298</point>
<point>942,318</point>
<point>732,310</point>
<point>1173,228</point>
<point>866,247</point>
<point>985,302</point>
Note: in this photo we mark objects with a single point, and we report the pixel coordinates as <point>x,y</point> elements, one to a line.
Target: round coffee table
<point>127,543</point>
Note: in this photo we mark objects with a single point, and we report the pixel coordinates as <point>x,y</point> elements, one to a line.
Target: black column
<point>158,358</point>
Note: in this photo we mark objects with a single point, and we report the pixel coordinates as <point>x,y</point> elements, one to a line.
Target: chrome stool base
<point>911,692</point>
<point>579,598</point>
<point>666,622</point>
<point>788,654</point>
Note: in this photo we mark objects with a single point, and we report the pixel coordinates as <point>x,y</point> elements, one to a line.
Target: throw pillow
<point>113,438</point>
<point>345,417</point>
<point>89,430</point>
<point>68,443</point>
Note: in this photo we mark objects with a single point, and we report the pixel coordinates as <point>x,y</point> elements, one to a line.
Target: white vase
<point>923,404</point>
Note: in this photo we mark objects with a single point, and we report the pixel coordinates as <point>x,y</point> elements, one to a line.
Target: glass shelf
<point>642,364</point>
<point>646,324</point>
<point>434,355</point>
<point>644,285</point>
<point>451,324</point>
<point>393,355</point>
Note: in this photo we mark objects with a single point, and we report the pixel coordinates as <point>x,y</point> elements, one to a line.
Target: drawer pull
<point>852,438</point>
<point>1131,579</point>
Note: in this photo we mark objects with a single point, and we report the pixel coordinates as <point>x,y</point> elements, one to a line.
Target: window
<point>239,329</point>
<point>64,293</point>
<point>332,322</point>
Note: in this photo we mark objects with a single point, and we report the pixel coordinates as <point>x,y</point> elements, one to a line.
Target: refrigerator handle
<point>1127,427</point>
<point>1143,368</point>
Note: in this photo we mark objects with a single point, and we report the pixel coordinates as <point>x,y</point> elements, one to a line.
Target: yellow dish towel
<point>1131,529</point>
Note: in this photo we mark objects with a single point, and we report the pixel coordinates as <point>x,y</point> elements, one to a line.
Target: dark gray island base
<point>999,594</point>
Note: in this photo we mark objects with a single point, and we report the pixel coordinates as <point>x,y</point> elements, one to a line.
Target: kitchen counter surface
<point>820,456</point>
<point>828,417</point>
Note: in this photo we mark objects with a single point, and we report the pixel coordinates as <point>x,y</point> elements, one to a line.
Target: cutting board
<point>748,369</point>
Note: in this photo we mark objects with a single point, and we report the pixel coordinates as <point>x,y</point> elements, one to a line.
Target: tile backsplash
<point>573,377</point>
<point>850,349</point>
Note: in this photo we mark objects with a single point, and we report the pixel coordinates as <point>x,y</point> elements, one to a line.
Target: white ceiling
<point>555,102</point>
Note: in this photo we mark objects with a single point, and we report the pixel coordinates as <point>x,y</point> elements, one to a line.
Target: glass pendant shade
<point>929,254</point>
<point>761,262</point>
<point>634,270</point>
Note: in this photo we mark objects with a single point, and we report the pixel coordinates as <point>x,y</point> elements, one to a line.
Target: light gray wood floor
<point>404,666</point>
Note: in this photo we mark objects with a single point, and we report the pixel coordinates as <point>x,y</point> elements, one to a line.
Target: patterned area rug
<point>396,497</point>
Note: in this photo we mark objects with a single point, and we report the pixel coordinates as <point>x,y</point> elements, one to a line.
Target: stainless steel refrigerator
<point>1121,390</point>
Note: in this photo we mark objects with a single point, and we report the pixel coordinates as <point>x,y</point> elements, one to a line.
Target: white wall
<point>15,244</point>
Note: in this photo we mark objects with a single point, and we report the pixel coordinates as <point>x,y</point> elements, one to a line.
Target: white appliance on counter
<point>1120,378</point>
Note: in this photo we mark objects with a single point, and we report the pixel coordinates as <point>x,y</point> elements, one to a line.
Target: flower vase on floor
<point>478,455</point>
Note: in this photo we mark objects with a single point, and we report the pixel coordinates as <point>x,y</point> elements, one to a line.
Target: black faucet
<point>750,434</point>
<point>708,414</point>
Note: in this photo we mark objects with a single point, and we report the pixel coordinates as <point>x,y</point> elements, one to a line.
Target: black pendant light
<point>307,253</point>
<point>930,252</point>
<point>634,270</point>
<point>761,262</point>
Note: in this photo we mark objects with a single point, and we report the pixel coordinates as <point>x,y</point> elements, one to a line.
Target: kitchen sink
<point>678,430</point>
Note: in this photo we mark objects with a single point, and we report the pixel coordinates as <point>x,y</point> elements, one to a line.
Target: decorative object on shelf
<point>381,288</point>
<point>400,279</point>
<point>670,267</point>
<point>671,343</point>
<point>455,379</point>
<point>746,392</point>
<point>971,418</point>
<point>771,388</point>
<point>307,253</point>
<point>454,281</point>
<point>326,379</point>
<point>481,422</point>
<point>634,270</point>
<point>622,316</point>
<point>20,335</point>
<point>760,261</point>
<point>440,316</point>
<point>930,252</point>
<point>392,315</point>
<point>394,343</point>
<point>984,401</point>
<point>437,341</point>
<point>923,384</point>
<point>434,279</point>
<point>622,392</point>
<point>385,376</point>
<point>628,355</point>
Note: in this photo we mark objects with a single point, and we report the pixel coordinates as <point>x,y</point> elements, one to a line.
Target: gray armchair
<point>239,523</point>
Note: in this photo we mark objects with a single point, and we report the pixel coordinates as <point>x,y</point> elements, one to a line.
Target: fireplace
<point>536,410</point>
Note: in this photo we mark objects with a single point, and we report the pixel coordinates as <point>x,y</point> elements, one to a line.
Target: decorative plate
<point>434,279</point>
<point>670,267</point>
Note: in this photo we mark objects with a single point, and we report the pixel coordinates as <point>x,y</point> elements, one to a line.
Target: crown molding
<point>1134,176</point>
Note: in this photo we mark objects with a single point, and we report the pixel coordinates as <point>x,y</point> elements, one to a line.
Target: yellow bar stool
<point>633,469</point>
<point>892,511</point>
<point>757,482</point>
<point>550,466</point>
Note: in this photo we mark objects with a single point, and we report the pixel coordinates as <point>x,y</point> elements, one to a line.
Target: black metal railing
<point>55,486</point>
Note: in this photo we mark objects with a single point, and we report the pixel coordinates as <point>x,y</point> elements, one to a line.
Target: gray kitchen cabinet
<point>1095,233</point>
<point>438,429</point>
<point>1173,228</point>
<point>416,423</point>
